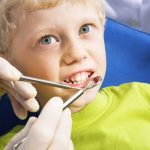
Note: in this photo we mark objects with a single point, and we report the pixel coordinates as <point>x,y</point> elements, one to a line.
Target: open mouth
<point>79,80</point>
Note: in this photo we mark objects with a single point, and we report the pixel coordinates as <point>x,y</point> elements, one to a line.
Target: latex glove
<point>50,131</point>
<point>21,94</point>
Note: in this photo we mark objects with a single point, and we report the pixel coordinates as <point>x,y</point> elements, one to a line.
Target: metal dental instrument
<point>46,82</point>
<point>92,83</point>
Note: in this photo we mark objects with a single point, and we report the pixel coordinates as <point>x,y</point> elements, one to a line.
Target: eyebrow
<point>39,32</point>
<point>95,20</point>
<point>89,19</point>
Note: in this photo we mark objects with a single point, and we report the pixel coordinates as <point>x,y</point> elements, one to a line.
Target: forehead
<point>61,12</point>
<point>61,16</point>
<point>65,9</point>
<point>31,5</point>
<point>28,7</point>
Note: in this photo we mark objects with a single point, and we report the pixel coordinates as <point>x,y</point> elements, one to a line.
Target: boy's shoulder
<point>132,86</point>
<point>131,92</point>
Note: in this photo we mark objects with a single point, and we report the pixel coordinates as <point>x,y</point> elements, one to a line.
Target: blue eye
<point>84,29</point>
<point>47,40</point>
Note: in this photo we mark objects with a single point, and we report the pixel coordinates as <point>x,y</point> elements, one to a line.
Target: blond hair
<point>11,10</point>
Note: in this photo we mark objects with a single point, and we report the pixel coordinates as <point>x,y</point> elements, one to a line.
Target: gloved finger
<point>70,147</point>
<point>25,89</point>
<point>19,110</point>
<point>8,72</point>
<point>29,104</point>
<point>45,127</point>
<point>21,135</point>
<point>63,132</point>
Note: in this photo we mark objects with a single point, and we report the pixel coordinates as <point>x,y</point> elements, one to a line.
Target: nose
<point>74,53</point>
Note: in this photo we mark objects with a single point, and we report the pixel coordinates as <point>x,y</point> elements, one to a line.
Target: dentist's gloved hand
<point>21,94</point>
<point>50,131</point>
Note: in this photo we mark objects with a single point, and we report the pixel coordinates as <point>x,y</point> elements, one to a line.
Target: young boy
<point>63,41</point>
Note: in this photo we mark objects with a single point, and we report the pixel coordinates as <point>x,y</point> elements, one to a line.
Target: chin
<point>84,100</point>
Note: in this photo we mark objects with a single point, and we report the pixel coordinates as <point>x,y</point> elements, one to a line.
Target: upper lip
<point>78,71</point>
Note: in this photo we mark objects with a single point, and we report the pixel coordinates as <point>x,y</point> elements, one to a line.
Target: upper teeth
<point>79,77</point>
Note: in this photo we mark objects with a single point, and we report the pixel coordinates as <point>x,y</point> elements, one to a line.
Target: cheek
<point>44,68</point>
<point>99,56</point>
<point>41,65</point>
<point>98,51</point>
<point>102,60</point>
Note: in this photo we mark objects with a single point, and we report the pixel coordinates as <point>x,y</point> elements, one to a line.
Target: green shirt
<point>118,119</point>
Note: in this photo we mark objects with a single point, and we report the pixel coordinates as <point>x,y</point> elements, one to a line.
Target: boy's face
<point>63,43</point>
